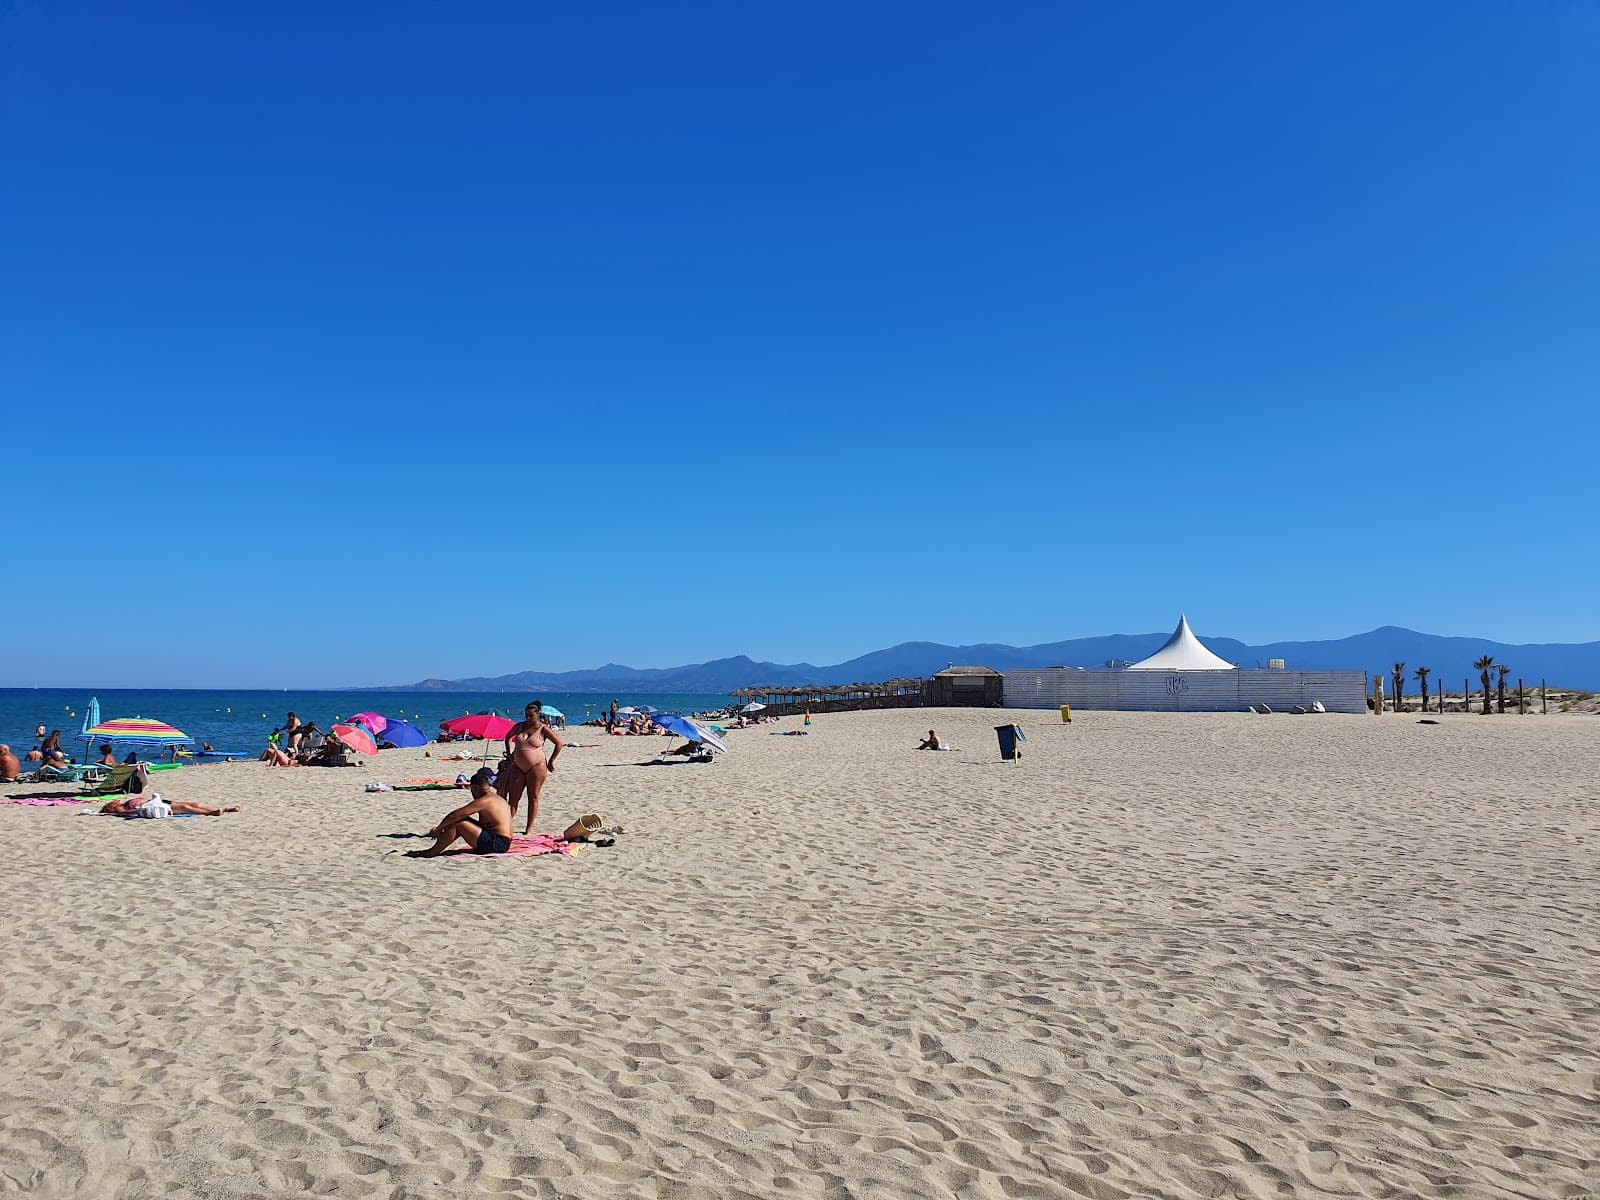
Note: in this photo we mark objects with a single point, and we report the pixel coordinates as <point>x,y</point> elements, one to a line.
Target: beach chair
<point>114,780</point>
<point>76,773</point>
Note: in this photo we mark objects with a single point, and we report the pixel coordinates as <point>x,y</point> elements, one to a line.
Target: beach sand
<point>1167,955</point>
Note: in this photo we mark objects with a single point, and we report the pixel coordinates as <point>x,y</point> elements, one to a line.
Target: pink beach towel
<point>40,801</point>
<point>531,847</point>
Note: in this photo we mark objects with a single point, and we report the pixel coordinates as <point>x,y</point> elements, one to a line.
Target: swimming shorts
<point>492,843</point>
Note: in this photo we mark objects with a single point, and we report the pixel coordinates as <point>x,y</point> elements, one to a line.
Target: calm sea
<point>241,720</point>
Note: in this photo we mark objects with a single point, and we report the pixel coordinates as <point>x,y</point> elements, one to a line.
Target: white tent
<point>1183,652</point>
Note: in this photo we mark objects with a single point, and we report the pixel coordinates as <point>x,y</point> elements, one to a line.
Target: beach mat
<point>43,801</point>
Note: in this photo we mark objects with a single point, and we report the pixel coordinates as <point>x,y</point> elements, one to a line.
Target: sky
<point>358,343</point>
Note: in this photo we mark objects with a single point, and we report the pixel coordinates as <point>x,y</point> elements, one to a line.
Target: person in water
<point>484,824</point>
<point>525,750</point>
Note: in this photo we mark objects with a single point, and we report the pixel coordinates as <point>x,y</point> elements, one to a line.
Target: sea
<point>240,720</point>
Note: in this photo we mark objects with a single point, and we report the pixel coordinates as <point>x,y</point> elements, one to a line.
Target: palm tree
<point>1422,678</point>
<point>1483,666</point>
<point>1504,671</point>
<point>1398,672</point>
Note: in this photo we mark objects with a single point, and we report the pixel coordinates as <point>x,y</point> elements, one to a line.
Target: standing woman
<point>525,749</point>
<point>291,726</point>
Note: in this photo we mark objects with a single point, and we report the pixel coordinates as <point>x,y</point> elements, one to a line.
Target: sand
<point>1189,956</point>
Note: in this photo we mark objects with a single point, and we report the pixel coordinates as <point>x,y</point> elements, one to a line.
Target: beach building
<point>1185,676</point>
<point>966,687</point>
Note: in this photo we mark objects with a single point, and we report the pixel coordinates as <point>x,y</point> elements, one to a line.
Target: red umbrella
<point>479,725</point>
<point>357,738</point>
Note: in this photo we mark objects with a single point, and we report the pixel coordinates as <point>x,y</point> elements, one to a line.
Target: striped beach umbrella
<point>138,730</point>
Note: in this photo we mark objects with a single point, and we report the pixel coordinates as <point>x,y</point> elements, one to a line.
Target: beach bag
<point>155,809</point>
<point>580,829</point>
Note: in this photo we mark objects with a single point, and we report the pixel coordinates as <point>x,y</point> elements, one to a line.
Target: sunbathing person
<point>128,806</point>
<point>274,757</point>
<point>107,758</point>
<point>10,768</point>
<point>484,824</point>
<point>931,742</point>
<point>525,749</point>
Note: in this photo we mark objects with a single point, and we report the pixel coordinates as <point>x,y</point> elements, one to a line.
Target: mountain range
<point>1574,665</point>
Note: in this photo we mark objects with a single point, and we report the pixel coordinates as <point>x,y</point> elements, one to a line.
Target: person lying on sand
<point>10,768</point>
<point>484,823</point>
<point>127,806</point>
<point>931,742</point>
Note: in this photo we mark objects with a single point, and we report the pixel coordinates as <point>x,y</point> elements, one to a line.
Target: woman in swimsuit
<point>128,806</point>
<point>525,749</point>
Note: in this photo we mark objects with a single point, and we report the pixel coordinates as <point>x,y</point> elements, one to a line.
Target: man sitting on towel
<point>931,742</point>
<point>484,824</point>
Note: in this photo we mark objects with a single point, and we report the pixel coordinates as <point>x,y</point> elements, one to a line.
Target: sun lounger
<point>115,780</point>
<point>77,773</point>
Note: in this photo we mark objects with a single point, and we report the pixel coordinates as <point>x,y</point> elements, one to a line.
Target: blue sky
<point>442,340</point>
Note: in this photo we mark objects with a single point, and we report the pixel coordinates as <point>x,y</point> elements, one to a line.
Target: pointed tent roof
<point>1183,652</point>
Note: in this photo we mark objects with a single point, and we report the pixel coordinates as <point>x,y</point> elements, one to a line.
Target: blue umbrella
<point>685,728</point>
<point>402,733</point>
<point>550,710</point>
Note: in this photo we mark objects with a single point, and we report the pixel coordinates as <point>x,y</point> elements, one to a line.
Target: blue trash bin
<point>1009,736</point>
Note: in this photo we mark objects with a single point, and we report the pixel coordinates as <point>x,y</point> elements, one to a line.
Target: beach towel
<point>532,847</point>
<point>41,801</point>
<point>133,816</point>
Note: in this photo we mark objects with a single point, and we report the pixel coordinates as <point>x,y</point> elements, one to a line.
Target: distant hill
<point>1450,659</point>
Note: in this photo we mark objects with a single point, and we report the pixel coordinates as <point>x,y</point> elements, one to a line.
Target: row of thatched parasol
<point>799,693</point>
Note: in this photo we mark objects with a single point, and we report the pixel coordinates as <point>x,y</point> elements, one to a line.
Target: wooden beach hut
<point>967,687</point>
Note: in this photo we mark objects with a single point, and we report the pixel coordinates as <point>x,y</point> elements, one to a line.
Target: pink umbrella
<point>372,721</point>
<point>357,738</point>
<point>479,725</point>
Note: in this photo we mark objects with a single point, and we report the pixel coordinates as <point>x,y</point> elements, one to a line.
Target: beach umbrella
<point>140,731</point>
<point>551,710</point>
<point>356,737</point>
<point>372,721</point>
<point>479,725</point>
<point>693,730</point>
<point>753,706</point>
<point>403,733</point>
<point>91,715</point>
